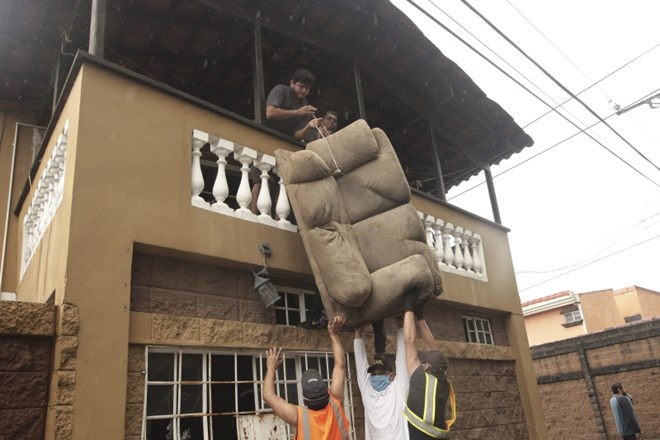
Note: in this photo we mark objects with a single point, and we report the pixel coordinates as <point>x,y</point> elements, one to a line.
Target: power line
<point>500,58</point>
<point>628,231</point>
<point>558,49</point>
<point>540,153</point>
<point>452,33</point>
<point>597,82</point>
<point>565,89</point>
<point>592,262</point>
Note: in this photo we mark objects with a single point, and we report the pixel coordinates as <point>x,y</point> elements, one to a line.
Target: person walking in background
<point>322,417</point>
<point>624,413</point>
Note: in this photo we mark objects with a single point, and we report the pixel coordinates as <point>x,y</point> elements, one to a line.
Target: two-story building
<point>566,314</point>
<point>128,131</point>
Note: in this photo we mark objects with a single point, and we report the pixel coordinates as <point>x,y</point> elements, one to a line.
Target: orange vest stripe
<point>329,423</point>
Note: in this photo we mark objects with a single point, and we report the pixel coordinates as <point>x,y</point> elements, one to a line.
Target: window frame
<point>302,309</point>
<point>478,334</point>
<point>301,360</point>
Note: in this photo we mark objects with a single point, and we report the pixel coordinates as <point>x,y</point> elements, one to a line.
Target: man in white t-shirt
<point>383,391</point>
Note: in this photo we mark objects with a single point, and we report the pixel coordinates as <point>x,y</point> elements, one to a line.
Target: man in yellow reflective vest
<point>429,388</point>
<point>322,417</point>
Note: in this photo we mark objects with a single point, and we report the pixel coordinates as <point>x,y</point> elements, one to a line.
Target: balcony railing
<point>46,199</point>
<point>457,249</point>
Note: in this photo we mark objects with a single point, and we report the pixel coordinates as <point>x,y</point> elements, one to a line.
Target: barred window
<point>478,330</point>
<point>209,395</point>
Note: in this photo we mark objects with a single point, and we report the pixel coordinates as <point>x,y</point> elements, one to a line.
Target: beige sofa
<point>364,240</point>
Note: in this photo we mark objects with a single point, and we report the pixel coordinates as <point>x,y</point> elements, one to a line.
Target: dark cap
<point>314,389</point>
<point>379,365</point>
<point>437,361</point>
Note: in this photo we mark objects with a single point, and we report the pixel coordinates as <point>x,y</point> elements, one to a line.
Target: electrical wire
<point>623,234</point>
<point>592,85</point>
<point>590,263</point>
<point>535,156</point>
<point>452,33</point>
<point>559,50</point>
<point>558,83</point>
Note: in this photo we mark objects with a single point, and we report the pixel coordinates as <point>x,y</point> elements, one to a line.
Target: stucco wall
<point>575,378</point>
<point>599,310</point>
<point>128,181</point>
<point>547,327</point>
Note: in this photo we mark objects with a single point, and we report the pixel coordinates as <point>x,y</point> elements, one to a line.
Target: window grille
<point>203,394</point>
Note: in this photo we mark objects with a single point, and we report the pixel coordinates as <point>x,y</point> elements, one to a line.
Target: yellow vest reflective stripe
<point>426,423</point>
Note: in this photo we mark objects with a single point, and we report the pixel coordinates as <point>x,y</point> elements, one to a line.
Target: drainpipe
<point>5,235</point>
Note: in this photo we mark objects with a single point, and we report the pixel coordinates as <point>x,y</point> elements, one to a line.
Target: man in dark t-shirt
<point>287,109</point>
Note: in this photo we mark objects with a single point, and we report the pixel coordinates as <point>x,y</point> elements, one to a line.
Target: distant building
<point>565,314</point>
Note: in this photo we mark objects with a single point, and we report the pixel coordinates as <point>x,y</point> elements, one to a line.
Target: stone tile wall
<point>575,377</point>
<point>26,346</point>
<point>179,302</point>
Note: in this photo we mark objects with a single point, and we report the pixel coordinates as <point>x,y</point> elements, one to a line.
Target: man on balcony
<point>322,417</point>
<point>287,109</point>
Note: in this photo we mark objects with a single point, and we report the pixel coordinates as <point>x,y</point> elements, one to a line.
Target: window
<point>209,395</point>
<point>299,308</point>
<point>478,330</point>
<point>633,318</point>
<point>573,317</point>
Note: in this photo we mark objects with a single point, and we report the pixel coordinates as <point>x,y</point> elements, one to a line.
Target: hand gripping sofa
<point>364,240</point>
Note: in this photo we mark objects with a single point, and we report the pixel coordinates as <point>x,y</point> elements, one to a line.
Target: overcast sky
<point>581,219</point>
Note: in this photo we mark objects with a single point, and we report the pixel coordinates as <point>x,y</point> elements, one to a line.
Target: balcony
<point>133,163</point>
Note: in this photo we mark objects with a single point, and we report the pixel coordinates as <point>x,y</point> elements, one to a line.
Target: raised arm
<point>361,363</point>
<point>281,407</point>
<point>410,333</point>
<point>401,363</point>
<point>339,370</point>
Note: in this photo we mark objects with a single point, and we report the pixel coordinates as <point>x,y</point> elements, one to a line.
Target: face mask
<point>379,383</point>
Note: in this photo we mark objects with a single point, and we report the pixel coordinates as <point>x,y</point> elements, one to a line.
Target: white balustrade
<point>458,252</point>
<point>465,243</point>
<point>250,159</point>
<point>46,199</point>
<point>283,207</point>
<point>265,163</point>
<point>199,139</point>
<point>245,156</point>
<point>457,249</point>
<point>437,235</point>
<point>221,148</point>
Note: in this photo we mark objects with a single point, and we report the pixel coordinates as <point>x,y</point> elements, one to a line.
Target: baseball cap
<point>314,389</point>
<point>379,364</point>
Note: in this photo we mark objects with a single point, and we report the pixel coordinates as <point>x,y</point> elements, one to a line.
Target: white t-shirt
<point>383,411</point>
